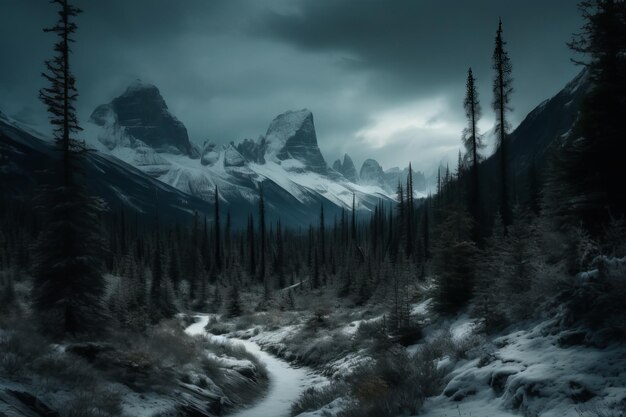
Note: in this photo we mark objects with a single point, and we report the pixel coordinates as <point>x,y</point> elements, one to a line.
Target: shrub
<point>320,320</point>
<point>67,369</point>
<point>597,301</point>
<point>233,350</point>
<point>10,364</point>
<point>313,347</point>
<point>466,347</point>
<point>409,334</point>
<point>315,398</point>
<point>396,384</point>
<point>170,343</point>
<point>438,346</point>
<point>373,334</point>
<point>18,348</point>
<point>94,403</point>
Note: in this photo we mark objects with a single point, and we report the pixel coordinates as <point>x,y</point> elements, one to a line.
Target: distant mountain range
<point>143,159</point>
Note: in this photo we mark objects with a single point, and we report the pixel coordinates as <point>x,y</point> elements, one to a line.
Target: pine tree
<point>426,229</point>
<point>279,266</point>
<point>233,303</point>
<point>439,189</point>
<point>473,144</point>
<point>68,285</point>
<point>216,301</point>
<point>251,249</point>
<point>353,228</point>
<point>161,290</point>
<point>227,236</point>
<point>409,213</point>
<point>315,278</point>
<point>322,236</point>
<point>454,262</point>
<point>502,90</point>
<point>589,176</point>
<point>174,265</point>
<point>262,238</point>
<point>534,189</point>
<point>488,293</point>
<point>216,229</point>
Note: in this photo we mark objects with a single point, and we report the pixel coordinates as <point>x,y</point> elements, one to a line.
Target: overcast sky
<point>384,79</point>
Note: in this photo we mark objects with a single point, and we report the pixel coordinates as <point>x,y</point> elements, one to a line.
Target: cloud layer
<point>384,79</point>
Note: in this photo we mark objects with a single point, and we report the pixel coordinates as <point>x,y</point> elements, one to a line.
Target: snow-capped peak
<point>139,85</point>
<point>284,127</point>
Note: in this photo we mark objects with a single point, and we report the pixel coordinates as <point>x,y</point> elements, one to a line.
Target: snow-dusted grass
<point>126,374</point>
<point>314,399</point>
<point>392,383</point>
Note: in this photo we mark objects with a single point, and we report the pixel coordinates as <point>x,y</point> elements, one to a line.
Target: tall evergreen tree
<point>473,144</point>
<point>262,236</point>
<point>279,262</point>
<point>426,229</point>
<point>353,217</point>
<point>502,90</point>
<point>251,249</point>
<point>322,236</point>
<point>315,278</point>
<point>534,189</point>
<point>590,176</point>
<point>233,303</point>
<point>409,213</point>
<point>69,285</point>
<point>454,262</point>
<point>217,244</point>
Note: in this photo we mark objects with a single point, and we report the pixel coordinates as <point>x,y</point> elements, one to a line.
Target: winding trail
<point>286,383</point>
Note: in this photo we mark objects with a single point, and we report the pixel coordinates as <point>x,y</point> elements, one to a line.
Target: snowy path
<point>286,382</point>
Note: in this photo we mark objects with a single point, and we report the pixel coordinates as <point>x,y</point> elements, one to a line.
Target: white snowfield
<point>286,382</point>
<point>236,177</point>
<point>297,168</point>
<point>532,372</point>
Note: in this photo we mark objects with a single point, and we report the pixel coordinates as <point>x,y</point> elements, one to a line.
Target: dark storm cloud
<point>383,78</point>
<point>424,46</point>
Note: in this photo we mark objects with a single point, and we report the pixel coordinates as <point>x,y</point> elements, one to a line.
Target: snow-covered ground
<point>537,369</point>
<point>532,372</point>
<point>286,382</point>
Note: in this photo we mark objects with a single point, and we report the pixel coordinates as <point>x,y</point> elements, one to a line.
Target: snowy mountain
<point>25,160</point>
<point>346,168</point>
<point>140,169</point>
<point>373,174</point>
<point>140,116</point>
<point>138,129</point>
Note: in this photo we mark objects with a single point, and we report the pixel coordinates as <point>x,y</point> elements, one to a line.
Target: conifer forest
<point>160,258</point>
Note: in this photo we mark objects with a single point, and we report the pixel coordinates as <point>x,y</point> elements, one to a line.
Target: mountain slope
<point>542,128</point>
<point>25,160</point>
<point>533,142</point>
<point>286,162</point>
<point>142,113</point>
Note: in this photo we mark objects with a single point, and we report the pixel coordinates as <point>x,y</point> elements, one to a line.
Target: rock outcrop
<point>372,173</point>
<point>140,114</point>
<point>291,135</point>
<point>347,169</point>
